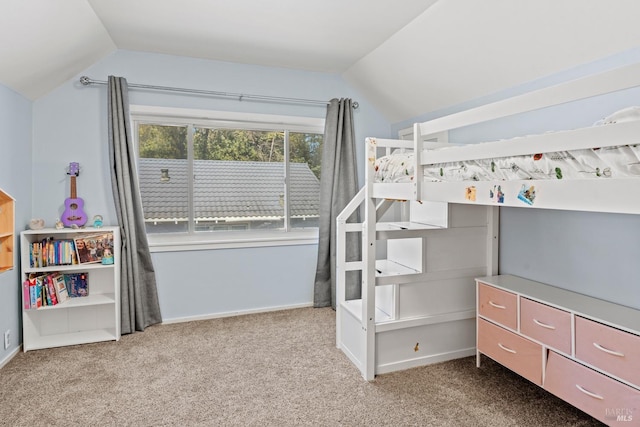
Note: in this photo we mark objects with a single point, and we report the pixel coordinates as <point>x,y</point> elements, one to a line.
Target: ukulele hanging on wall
<point>73,214</point>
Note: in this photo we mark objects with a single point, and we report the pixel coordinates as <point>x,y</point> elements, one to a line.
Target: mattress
<point>598,163</point>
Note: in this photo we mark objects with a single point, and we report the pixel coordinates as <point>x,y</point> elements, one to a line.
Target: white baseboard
<point>10,356</point>
<point>234,313</point>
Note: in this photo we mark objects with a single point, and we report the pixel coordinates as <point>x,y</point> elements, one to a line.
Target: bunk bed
<point>418,268</point>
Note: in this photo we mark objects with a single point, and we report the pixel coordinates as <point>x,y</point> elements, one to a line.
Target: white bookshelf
<point>82,320</point>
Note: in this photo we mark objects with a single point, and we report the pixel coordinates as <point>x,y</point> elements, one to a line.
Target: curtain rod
<point>86,81</point>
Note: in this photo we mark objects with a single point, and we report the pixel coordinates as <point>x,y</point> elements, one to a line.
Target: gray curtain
<point>338,185</point>
<point>139,306</point>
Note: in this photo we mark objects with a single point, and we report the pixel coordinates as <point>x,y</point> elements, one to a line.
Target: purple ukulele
<point>73,213</point>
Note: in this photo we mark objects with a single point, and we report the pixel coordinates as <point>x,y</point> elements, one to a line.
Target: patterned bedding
<point>606,162</point>
<point>397,167</point>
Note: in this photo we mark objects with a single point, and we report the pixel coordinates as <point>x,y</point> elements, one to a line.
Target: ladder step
<point>385,267</point>
<point>352,265</point>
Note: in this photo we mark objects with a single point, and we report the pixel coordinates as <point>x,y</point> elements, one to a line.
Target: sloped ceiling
<point>459,50</point>
<point>46,42</point>
<point>406,57</point>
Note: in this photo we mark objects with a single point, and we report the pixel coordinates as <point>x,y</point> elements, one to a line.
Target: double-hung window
<point>220,176</point>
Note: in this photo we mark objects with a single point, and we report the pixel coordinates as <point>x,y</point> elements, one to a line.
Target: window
<point>221,174</point>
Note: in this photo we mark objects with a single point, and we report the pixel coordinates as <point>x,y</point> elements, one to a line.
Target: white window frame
<point>170,242</point>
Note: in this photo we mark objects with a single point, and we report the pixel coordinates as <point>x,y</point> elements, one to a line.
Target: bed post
<point>369,269</point>
<point>341,271</point>
<point>417,153</point>
<point>493,239</point>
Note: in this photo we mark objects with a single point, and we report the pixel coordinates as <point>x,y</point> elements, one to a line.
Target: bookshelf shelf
<point>7,231</point>
<point>67,268</point>
<point>82,302</point>
<point>73,338</point>
<point>79,320</point>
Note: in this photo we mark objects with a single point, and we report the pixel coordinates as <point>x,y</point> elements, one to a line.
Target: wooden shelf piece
<point>7,231</point>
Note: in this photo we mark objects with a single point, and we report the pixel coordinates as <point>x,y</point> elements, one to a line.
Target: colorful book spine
<point>46,298</point>
<point>38,303</point>
<point>48,252</point>
<point>51,290</point>
<point>32,293</point>
<point>26,296</point>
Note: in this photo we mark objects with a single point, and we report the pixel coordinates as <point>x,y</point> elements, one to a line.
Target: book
<point>91,248</point>
<point>32,292</point>
<point>60,288</point>
<point>77,284</point>
<point>38,292</point>
<point>52,297</point>
<point>26,296</point>
<point>36,259</point>
<point>46,294</point>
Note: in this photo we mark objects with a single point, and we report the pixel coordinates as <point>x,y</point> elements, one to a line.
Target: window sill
<point>176,242</point>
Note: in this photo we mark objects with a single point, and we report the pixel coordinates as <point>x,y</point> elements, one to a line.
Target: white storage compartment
<point>431,213</point>
<point>405,254</point>
<point>421,278</point>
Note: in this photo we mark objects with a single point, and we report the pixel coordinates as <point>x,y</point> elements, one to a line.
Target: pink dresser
<point>584,350</point>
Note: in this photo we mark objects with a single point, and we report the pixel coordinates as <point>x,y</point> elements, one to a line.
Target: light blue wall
<point>69,124</point>
<point>591,253</point>
<point>234,280</point>
<point>15,179</point>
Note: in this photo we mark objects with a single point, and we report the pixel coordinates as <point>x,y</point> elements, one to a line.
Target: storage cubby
<point>80,320</point>
<point>7,231</point>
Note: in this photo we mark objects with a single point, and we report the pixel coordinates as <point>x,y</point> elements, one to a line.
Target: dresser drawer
<point>513,351</point>
<point>598,395</point>
<point>546,324</point>
<point>609,349</point>
<point>498,305</point>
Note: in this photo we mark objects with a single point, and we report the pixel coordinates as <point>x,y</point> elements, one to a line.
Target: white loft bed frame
<point>377,332</point>
<point>574,194</point>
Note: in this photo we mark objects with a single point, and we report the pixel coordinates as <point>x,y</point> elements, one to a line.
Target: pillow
<point>625,115</point>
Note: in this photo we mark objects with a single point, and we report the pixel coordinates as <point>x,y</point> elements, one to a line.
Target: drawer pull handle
<point>544,325</point>
<point>606,350</point>
<point>506,348</point>
<point>588,393</point>
<point>493,304</point>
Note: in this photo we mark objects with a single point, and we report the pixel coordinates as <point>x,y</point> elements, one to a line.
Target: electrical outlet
<point>7,339</point>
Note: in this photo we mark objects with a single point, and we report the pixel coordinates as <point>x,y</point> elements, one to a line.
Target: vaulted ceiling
<point>407,57</point>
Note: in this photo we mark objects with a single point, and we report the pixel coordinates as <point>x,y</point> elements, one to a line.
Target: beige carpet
<point>273,369</point>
